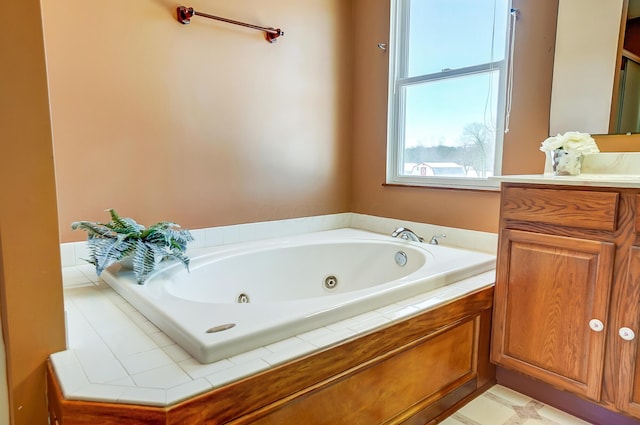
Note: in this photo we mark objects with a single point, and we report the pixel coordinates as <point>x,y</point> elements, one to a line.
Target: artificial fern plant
<point>122,237</point>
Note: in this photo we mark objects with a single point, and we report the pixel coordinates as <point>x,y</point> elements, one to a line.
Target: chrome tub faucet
<point>407,234</point>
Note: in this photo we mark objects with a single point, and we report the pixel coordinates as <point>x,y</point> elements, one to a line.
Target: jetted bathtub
<point>239,297</point>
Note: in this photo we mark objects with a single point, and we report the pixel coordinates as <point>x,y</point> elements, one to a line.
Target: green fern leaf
<point>122,237</point>
<point>93,229</point>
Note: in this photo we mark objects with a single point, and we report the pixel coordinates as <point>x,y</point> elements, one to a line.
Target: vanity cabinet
<point>567,296</point>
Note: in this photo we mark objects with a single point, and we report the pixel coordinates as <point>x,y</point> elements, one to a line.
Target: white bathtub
<point>237,298</point>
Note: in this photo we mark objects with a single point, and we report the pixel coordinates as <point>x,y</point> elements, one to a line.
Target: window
<point>447,92</point>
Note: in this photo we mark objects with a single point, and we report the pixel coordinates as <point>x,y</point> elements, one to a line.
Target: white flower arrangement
<point>573,142</point>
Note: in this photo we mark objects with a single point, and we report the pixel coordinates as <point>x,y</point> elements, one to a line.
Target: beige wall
<point>30,281</point>
<point>529,122</point>
<point>205,124</point>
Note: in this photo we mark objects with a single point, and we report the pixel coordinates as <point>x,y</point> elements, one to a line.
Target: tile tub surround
<point>72,253</point>
<point>116,355</point>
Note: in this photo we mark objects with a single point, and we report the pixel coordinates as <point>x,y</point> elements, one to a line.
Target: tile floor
<point>502,406</point>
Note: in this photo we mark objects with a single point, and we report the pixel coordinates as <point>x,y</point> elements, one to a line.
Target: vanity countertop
<point>604,169</point>
<point>594,180</point>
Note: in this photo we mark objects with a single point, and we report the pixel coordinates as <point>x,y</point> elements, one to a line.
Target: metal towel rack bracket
<point>186,13</point>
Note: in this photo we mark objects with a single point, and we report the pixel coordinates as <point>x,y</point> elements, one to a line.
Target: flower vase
<point>565,163</point>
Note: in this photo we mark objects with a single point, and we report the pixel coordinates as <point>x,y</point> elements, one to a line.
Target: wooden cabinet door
<point>628,351</point>
<point>548,289</point>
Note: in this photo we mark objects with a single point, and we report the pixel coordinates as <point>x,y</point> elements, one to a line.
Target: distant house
<point>435,169</point>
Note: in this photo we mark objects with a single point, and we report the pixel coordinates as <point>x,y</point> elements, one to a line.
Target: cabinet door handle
<point>627,334</point>
<point>596,325</point>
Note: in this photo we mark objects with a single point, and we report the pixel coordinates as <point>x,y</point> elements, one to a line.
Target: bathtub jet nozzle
<point>242,298</point>
<point>330,282</point>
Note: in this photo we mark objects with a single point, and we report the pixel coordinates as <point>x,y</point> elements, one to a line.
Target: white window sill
<point>487,184</point>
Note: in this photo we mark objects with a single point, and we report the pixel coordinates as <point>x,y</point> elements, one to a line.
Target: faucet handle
<point>434,239</point>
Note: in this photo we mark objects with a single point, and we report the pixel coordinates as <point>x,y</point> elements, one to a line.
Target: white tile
<point>245,232</point>
<point>67,255</point>
<point>334,337</point>
<point>387,308</point>
<point>148,396</point>
<point>115,298</point>
<point>513,397</point>
<point>98,392</point>
<point>237,372</point>
<point>99,364</point>
<point>138,318</point>
<point>532,421</point>
<point>297,226</point>
<point>199,239</point>
<point>451,421</point>
<point>164,377</point>
<point>248,356</point>
<point>416,300</point>
<point>123,382</point>
<point>343,324</point>
<point>124,341</point>
<point>290,352</point>
<point>71,276</point>
<point>335,221</point>
<point>64,358</point>
<point>401,312</point>
<point>148,360</point>
<point>560,417</point>
<point>365,317</point>
<point>81,252</point>
<point>161,339</point>
<point>147,327</point>
<point>176,353</point>
<point>279,228</point>
<point>453,292</point>
<point>198,370</point>
<point>89,270</point>
<point>314,335</point>
<point>485,411</point>
<point>428,303</point>
<point>188,390</point>
<point>79,332</point>
<point>100,283</point>
<point>118,332</point>
<point>266,230</point>
<point>473,284</point>
<point>372,323</point>
<point>215,236</point>
<point>125,307</point>
<point>70,376</point>
<point>285,345</point>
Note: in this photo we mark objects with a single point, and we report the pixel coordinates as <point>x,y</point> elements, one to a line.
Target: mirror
<point>592,67</point>
<point>626,113</point>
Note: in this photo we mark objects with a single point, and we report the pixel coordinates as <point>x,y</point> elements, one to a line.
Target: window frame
<point>398,62</point>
